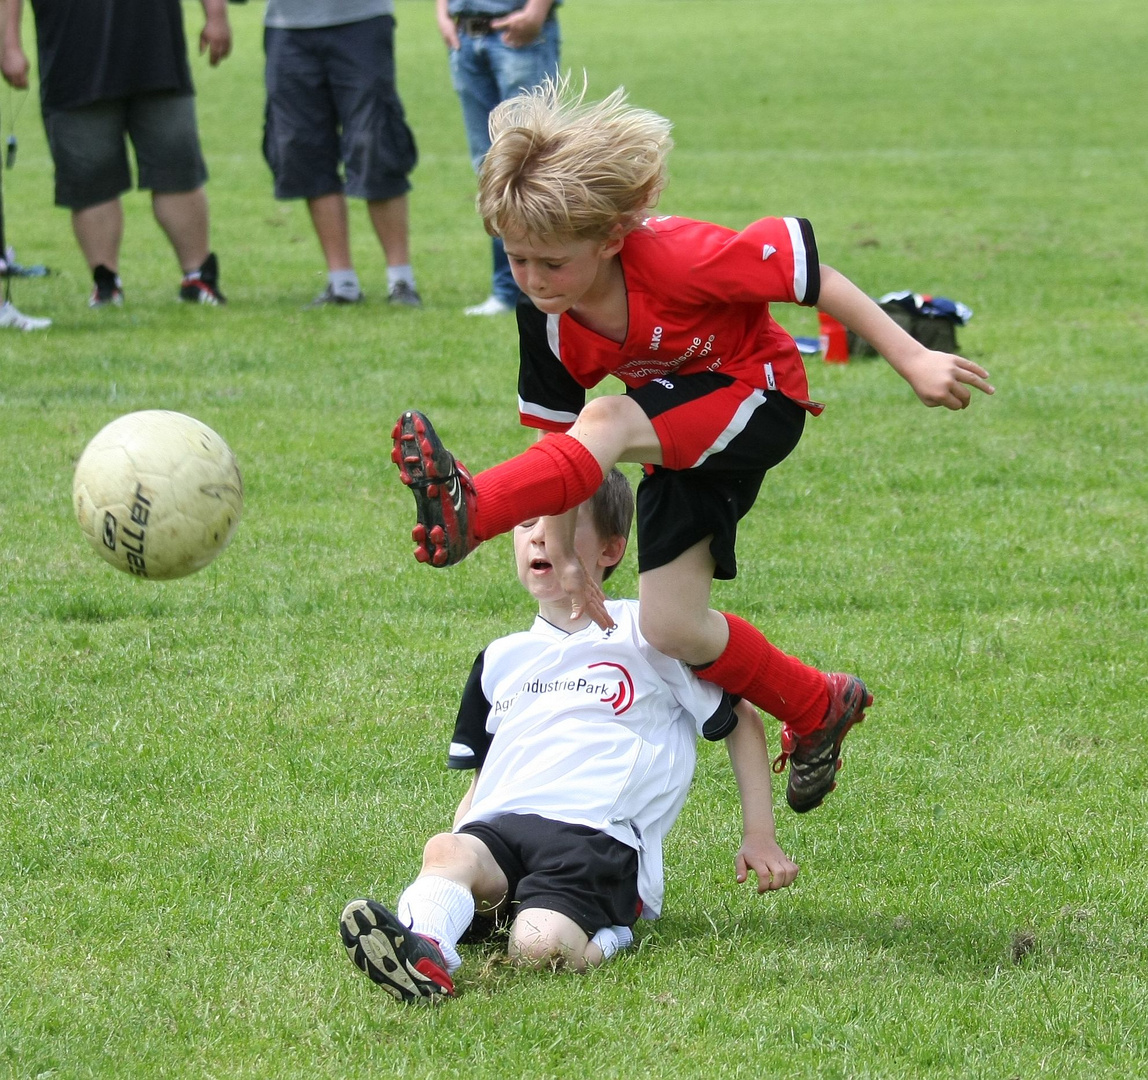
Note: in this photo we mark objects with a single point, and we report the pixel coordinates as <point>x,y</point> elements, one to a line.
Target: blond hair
<point>562,168</point>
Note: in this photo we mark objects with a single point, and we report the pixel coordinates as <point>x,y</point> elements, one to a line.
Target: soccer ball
<point>157,494</point>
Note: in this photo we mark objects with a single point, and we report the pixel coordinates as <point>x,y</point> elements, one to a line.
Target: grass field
<point>195,776</point>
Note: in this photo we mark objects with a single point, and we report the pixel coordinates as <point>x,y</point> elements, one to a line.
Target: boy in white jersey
<point>583,742</point>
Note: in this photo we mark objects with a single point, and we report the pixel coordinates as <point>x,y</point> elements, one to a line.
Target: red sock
<point>780,684</point>
<point>556,474</point>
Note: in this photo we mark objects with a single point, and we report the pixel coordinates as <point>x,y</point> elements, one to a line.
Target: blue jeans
<point>484,72</point>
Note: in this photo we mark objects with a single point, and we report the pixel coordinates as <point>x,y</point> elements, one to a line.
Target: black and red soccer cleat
<point>107,291</point>
<point>202,286</point>
<point>815,758</point>
<point>407,965</point>
<point>443,490</point>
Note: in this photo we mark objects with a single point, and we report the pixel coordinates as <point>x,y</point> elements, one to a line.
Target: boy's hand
<point>586,595</point>
<point>937,378</point>
<point>774,869</point>
<point>940,378</point>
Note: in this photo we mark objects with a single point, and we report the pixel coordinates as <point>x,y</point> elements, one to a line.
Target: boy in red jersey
<point>716,393</point>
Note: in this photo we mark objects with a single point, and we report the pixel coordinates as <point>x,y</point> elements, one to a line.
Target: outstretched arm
<point>759,851</point>
<point>13,61</point>
<point>937,378</point>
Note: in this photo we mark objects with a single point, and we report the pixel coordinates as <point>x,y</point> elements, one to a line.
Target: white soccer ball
<point>157,494</point>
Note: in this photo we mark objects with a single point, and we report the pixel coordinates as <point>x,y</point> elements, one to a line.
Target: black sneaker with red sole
<point>409,966</point>
<point>202,286</point>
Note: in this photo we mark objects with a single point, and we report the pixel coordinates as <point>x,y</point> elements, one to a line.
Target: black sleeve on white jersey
<point>722,721</point>
<point>471,740</point>
<point>543,383</point>
<point>812,264</point>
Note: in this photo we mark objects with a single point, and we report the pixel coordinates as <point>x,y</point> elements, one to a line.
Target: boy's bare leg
<point>466,860</point>
<point>411,951</point>
<point>816,710</point>
<point>674,607</point>
<point>541,937</point>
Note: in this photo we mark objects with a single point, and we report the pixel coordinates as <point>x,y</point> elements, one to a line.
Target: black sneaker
<point>443,490</point>
<point>404,294</point>
<point>106,288</point>
<point>407,965</point>
<point>202,286</point>
<point>815,758</point>
<point>329,296</point>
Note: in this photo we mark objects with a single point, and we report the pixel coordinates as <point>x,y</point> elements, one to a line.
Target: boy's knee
<point>544,939</point>
<point>668,636</point>
<point>444,849</point>
<point>544,951</point>
<point>612,409</point>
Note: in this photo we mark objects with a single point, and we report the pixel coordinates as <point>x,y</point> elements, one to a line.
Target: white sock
<point>612,938</point>
<point>395,274</point>
<point>344,283</point>
<point>439,908</point>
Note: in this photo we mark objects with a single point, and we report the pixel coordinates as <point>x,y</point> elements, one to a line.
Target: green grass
<point>196,775</point>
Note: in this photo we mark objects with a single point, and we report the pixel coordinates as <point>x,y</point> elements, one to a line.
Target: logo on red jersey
<point>623,696</point>
<point>767,250</point>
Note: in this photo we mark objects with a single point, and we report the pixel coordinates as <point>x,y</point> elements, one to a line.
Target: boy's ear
<point>612,551</point>
<point>613,242</point>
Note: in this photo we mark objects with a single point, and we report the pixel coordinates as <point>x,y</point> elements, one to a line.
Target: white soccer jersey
<point>594,728</point>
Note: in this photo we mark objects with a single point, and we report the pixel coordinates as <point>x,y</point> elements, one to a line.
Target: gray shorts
<point>90,152</point>
<point>331,102</point>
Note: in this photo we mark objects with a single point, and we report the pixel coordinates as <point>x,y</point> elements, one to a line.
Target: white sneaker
<point>490,306</point>
<point>9,316</point>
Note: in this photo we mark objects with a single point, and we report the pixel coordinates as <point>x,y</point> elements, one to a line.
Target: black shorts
<point>331,102</point>
<point>678,507</point>
<point>583,873</point>
<point>91,157</point>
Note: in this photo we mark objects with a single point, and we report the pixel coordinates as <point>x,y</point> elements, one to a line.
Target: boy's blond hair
<point>561,168</point>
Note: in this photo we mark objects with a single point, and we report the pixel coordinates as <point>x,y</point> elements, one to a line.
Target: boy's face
<point>535,571</point>
<point>558,274</point>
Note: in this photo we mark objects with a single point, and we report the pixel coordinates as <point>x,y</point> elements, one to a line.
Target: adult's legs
<point>99,231</point>
<point>390,220</point>
<point>329,218</point>
<point>183,216</point>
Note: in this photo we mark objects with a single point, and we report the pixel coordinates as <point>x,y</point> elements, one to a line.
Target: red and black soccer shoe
<point>443,491</point>
<point>815,758</point>
<point>407,965</point>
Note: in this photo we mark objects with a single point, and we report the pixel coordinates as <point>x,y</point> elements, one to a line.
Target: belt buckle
<point>476,25</point>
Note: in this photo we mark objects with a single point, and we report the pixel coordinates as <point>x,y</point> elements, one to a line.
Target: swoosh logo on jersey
<point>623,697</point>
<point>767,250</point>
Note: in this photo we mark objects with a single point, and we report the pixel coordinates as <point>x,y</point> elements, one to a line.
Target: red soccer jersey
<point>698,299</point>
